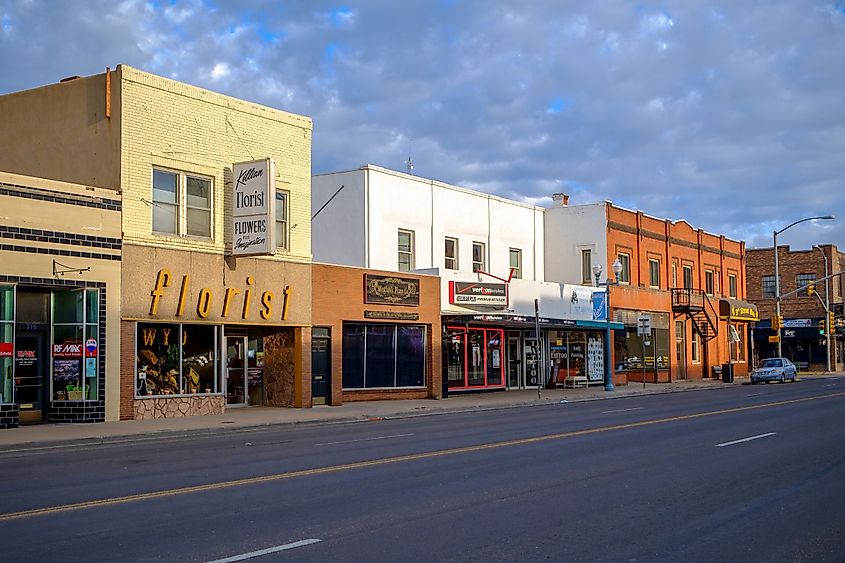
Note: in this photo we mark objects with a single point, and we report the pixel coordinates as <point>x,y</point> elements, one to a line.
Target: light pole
<point>608,364</point>
<point>777,272</point>
<point>826,302</point>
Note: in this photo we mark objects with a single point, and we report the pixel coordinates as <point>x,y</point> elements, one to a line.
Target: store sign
<point>470,293</point>
<point>392,315</point>
<point>90,348</point>
<point>797,323</point>
<point>67,350</point>
<point>391,290</point>
<point>599,308</point>
<point>595,361</point>
<point>253,208</point>
<point>6,349</point>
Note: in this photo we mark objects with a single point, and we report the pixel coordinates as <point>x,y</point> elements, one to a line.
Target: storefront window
<point>475,357</point>
<point>632,354</point>
<point>737,347</point>
<point>475,373</point>
<point>7,343</point>
<point>379,356</point>
<point>75,345</point>
<point>174,359</point>
<point>494,357</point>
<point>455,359</point>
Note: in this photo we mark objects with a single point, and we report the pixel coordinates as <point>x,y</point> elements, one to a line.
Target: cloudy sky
<point>730,114</point>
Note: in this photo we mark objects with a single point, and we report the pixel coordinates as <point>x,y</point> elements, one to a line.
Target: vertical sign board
<point>253,208</point>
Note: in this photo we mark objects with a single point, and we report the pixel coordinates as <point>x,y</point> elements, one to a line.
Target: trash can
<point>727,373</point>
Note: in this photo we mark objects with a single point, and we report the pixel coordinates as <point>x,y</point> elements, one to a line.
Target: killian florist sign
<point>253,208</point>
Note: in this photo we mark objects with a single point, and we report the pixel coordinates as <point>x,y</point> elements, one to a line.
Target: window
<point>736,342</point>
<point>474,358</point>
<point>383,356</point>
<point>478,254</point>
<point>587,267</point>
<point>709,282</point>
<point>181,204</point>
<point>406,250</point>
<point>804,279</point>
<point>732,285</point>
<point>625,273</point>
<point>7,342</point>
<point>282,219</point>
<point>451,254</point>
<point>75,325</point>
<point>176,359</point>
<point>768,287</point>
<point>654,272</point>
<point>516,263</point>
<point>696,347</point>
<point>674,274</point>
<point>688,277</point>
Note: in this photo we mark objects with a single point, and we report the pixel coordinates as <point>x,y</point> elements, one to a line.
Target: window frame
<point>587,266</point>
<point>625,273</point>
<point>710,281</point>
<point>479,266</point>
<point>688,268</point>
<point>181,206</point>
<point>409,253</point>
<point>802,279</point>
<point>654,273</point>
<point>765,281</point>
<point>695,348</point>
<point>454,258</point>
<point>285,220</point>
<point>515,271</point>
<point>732,286</point>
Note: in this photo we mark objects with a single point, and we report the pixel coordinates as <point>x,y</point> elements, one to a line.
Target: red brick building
<point>802,341</point>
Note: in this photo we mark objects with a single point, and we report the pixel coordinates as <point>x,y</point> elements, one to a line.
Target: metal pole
<point>826,303</point>
<point>777,289</point>
<point>608,369</point>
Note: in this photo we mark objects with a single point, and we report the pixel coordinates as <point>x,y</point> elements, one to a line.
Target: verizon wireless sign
<point>253,208</point>
<point>469,293</point>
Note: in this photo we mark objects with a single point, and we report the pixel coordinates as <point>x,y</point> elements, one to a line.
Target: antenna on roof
<point>409,164</point>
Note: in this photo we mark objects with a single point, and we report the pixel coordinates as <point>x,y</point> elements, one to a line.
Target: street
<point>751,473</point>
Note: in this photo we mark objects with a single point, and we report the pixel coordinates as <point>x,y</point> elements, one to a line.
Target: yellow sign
<point>774,339</point>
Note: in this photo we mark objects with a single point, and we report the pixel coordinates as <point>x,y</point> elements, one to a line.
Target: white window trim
<point>518,269</point>
<point>650,262</point>
<point>483,263</point>
<point>285,220</point>
<point>695,348</point>
<point>411,253</point>
<point>623,270</point>
<point>455,259</point>
<point>182,203</point>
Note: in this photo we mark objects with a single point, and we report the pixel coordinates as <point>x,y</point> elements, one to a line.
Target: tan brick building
<point>206,321</point>
<point>802,341</point>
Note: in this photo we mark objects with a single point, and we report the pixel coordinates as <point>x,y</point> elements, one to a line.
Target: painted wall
<point>569,230</point>
<point>339,231</point>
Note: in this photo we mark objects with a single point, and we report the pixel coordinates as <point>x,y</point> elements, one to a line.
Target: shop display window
<point>475,357</point>
<point>383,356</point>
<point>75,345</point>
<point>176,359</point>
<point>7,343</point>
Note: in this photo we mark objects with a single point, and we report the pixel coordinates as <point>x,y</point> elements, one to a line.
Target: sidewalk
<point>252,417</point>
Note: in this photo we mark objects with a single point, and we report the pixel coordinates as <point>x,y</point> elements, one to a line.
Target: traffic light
<point>821,326</point>
<point>775,322</point>
<point>831,321</point>
<point>811,289</point>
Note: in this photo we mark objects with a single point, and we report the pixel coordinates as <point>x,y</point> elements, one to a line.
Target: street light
<point>777,271</point>
<point>826,302</point>
<point>608,364</point>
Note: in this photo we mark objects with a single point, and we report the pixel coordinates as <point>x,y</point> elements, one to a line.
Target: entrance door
<point>681,349</point>
<point>515,380</point>
<point>321,369</point>
<point>31,375</point>
<point>236,370</point>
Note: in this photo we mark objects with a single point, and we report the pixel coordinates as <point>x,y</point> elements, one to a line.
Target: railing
<point>699,307</point>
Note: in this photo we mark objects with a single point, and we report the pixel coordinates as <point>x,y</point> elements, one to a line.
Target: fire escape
<point>696,305</point>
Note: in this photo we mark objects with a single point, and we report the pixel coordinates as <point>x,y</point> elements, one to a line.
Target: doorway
<point>514,362</point>
<point>32,375</point>
<point>681,349</point>
<point>321,366</point>
<point>236,371</point>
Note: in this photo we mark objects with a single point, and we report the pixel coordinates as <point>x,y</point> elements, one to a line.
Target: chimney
<point>560,200</point>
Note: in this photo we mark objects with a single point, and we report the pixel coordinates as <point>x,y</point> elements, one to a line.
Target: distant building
<point>802,341</point>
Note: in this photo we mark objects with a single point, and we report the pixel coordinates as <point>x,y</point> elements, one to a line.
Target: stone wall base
<point>174,407</point>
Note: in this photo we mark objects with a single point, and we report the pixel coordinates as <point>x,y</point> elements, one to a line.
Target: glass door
<point>236,370</point>
<point>514,362</point>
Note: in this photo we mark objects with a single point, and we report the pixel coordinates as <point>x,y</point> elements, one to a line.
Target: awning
<point>736,310</point>
<point>526,322</point>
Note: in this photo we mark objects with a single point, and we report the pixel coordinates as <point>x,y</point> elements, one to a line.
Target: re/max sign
<point>234,302</point>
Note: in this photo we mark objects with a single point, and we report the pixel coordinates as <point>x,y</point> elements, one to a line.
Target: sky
<point>728,114</point>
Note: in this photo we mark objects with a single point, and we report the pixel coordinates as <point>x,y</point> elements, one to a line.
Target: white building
<point>491,257</point>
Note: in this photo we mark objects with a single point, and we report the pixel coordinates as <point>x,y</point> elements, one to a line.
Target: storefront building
<point>376,335</point>
<point>675,274</point>
<point>215,229</point>
<point>59,296</point>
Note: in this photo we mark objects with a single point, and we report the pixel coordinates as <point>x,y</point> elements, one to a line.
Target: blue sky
<point>727,114</point>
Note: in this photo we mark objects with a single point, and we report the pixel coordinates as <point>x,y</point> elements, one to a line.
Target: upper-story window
<point>516,263</point>
<point>586,267</point>
<point>804,279</point>
<point>478,254</point>
<point>625,273</point>
<point>181,203</point>
<point>709,282</point>
<point>450,253</point>
<point>732,285</point>
<point>768,287</point>
<point>406,250</point>
<point>688,277</point>
<point>674,274</point>
<point>282,218</point>
<point>654,272</point>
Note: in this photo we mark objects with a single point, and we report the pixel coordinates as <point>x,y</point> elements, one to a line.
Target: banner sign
<point>253,208</point>
<point>471,293</point>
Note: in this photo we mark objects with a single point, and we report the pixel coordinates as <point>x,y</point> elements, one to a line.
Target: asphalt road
<point>751,473</point>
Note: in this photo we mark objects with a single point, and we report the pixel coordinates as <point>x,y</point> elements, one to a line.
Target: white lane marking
<point>755,394</point>
<point>363,440</point>
<point>757,437</point>
<point>623,410</point>
<point>829,385</point>
<point>268,551</point>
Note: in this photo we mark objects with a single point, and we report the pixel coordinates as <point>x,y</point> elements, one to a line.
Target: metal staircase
<point>698,306</point>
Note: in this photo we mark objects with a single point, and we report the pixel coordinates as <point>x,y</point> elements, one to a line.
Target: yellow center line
<point>387,460</point>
